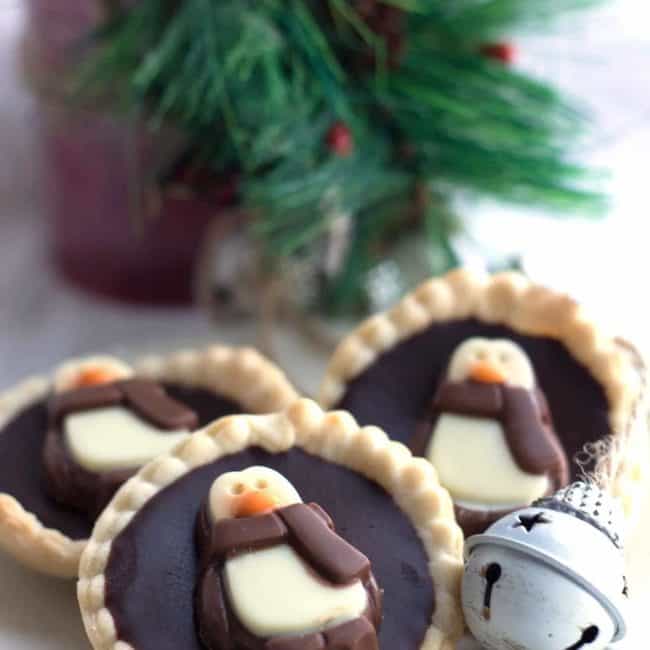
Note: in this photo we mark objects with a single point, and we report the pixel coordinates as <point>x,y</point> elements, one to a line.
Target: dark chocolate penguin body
<point>78,488</point>
<point>310,533</point>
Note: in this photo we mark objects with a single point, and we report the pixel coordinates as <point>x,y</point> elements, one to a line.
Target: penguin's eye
<point>504,357</point>
<point>261,484</point>
<point>237,489</point>
<point>481,355</point>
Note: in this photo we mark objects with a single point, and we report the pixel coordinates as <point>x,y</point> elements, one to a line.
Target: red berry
<point>339,139</point>
<point>504,52</point>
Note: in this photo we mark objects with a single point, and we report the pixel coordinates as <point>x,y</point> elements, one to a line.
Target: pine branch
<point>255,86</point>
<point>480,21</point>
<point>297,203</point>
<point>489,128</point>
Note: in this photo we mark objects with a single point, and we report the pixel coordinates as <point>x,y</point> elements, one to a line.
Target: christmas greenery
<point>372,112</point>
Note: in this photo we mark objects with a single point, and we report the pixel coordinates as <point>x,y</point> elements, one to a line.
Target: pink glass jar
<point>111,230</point>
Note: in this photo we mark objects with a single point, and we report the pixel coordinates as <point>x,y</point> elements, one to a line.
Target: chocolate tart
<point>388,370</point>
<point>48,536</point>
<point>139,570</point>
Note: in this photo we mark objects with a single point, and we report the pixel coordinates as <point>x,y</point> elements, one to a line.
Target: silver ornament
<point>549,577</point>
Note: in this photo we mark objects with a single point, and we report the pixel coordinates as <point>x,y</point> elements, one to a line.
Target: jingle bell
<point>549,577</point>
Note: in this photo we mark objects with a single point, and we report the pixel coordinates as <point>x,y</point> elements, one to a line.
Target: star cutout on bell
<point>530,521</point>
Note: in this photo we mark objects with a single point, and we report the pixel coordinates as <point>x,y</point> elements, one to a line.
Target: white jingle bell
<point>549,577</point>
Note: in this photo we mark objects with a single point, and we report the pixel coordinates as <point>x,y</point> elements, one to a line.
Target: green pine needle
<point>255,86</point>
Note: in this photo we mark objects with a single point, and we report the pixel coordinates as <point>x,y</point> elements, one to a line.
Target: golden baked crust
<point>334,436</point>
<point>512,300</point>
<point>241,374</point>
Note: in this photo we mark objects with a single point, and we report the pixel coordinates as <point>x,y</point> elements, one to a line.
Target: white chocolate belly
<point>273,593</point>
<point>113,438</point>
<point>476,465</point>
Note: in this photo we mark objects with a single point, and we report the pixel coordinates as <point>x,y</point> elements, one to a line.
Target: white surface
<point>43,322</point>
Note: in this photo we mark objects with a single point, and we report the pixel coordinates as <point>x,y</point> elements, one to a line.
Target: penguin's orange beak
<point>486,373</point>
<point>94,377</point>
<point>255,503</point>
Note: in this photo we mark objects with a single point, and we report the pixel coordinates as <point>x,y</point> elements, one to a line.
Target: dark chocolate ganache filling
<point>153,566</point>
<point>22,474</point>
<point>395,392</point>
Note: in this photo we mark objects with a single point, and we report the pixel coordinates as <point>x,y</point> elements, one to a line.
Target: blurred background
<point>94,259</point>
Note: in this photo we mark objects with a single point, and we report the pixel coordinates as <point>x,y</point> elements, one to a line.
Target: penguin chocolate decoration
<point>549,577</point>
<point>489,433</point>
<point>387,370</point>
<point>103,424</point>
<point>71,437</point>
<point>275,574</point>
